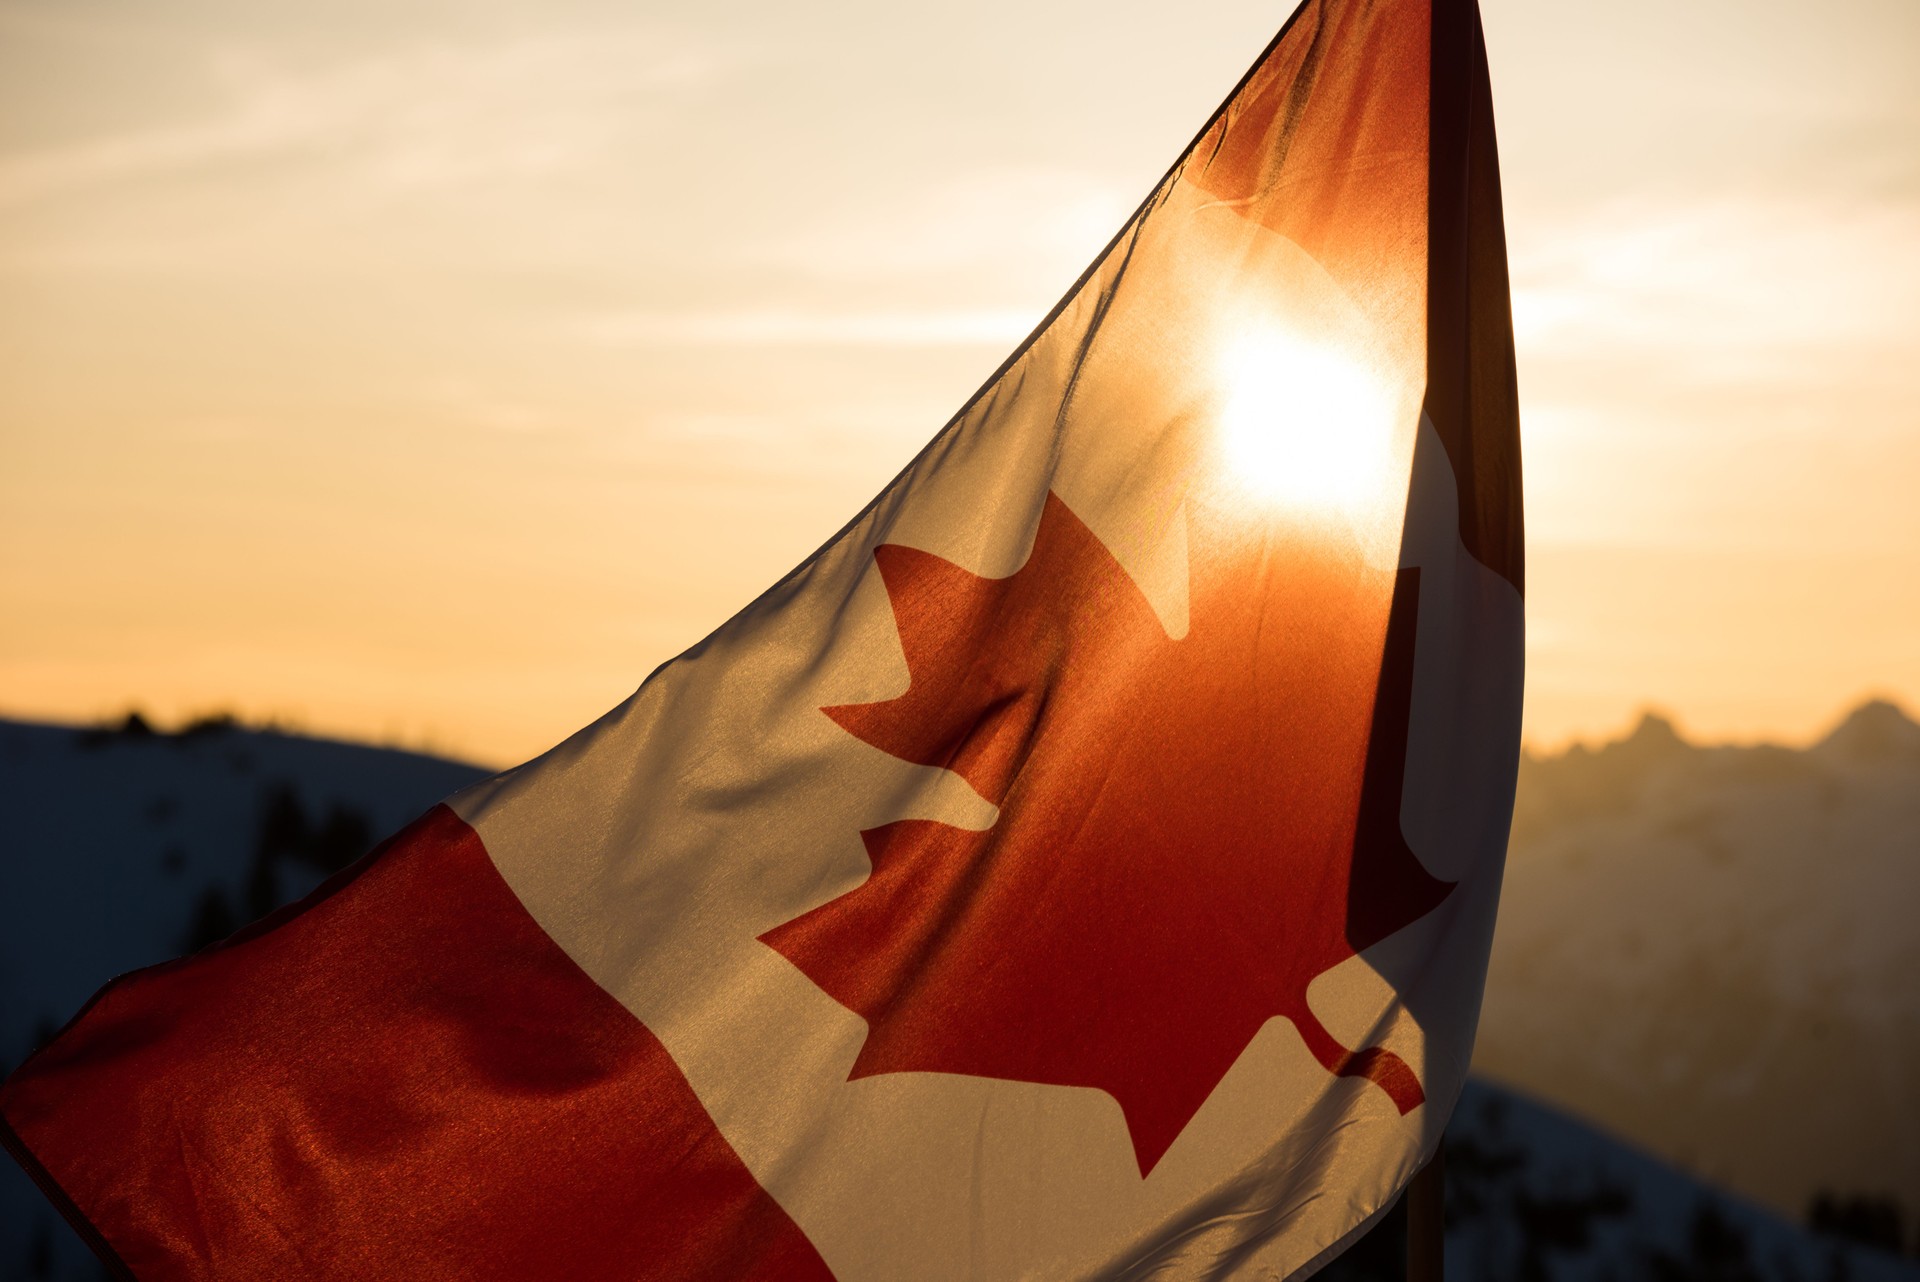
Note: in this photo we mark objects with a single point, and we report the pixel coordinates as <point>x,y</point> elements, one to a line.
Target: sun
<point>1303,425</point>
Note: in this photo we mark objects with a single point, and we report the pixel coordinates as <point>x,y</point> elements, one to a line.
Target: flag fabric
<point>1083,865</point>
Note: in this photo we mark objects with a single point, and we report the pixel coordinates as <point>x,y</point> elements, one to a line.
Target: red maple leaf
<point>1189,831</point>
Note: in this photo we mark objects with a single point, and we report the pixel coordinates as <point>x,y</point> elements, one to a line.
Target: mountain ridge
<point>1709,948</point>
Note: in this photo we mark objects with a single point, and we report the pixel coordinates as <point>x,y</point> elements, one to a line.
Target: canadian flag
<point>1083,865</point>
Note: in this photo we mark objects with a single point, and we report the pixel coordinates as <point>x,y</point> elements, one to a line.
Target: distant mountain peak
<point>1877,730</point>
<point>1653,742</point>
<point>1655,730</point>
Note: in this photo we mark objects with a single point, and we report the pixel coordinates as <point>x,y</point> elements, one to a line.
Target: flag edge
<point>49,1185</point>
<point>1000,371</point>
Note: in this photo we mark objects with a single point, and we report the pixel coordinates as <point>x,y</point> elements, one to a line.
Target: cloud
<point>1054,218</point>
<point>471,403</point>
<point>1752,288</point>
<point>429,114</point>
<point>793,327</point>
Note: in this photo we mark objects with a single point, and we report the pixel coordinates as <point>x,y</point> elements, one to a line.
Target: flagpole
<point>1426,1206</point>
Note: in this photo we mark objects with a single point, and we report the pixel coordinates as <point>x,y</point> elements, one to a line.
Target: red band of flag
<point>406,1067</point>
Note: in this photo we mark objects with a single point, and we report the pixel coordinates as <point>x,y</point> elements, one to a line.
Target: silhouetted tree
<point>40,1251</point>
<point>1379,1256</point>
<point>217,723</point>
<point>134,726</point>
<point>263,887</point>
<point>345,835</point>
<point>283,828</point>
<point>1483,1166</point>
<point>212,921</point>
<point>1870,1220</point>
<point>283,831</point>
<point>1716,1251</point>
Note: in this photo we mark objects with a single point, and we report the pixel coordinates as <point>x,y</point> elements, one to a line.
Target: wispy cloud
<point>468,402</point>
<point>1054,219</point>
<point>426,115</point>
<point>1749,288</point>
<point>781,327</point>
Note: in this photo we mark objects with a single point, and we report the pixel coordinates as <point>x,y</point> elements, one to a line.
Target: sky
<point>430,372</point>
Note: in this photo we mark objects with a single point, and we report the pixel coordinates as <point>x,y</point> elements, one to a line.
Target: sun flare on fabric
<point>1302,424</point>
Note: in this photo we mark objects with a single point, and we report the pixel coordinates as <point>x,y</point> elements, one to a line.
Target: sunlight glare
<point>1302,424</point>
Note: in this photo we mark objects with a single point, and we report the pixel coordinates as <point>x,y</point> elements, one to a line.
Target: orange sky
<point>431,372</point>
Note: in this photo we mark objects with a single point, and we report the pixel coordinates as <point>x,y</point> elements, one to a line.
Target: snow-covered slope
<point>1533,1194</point>
<point>1715,951</point>
<point>121,848</point>
<point>118,843</point>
